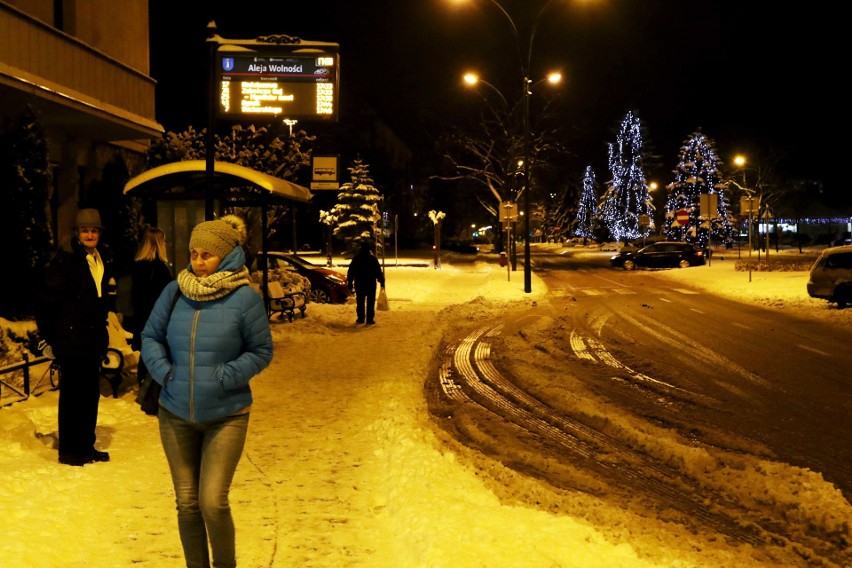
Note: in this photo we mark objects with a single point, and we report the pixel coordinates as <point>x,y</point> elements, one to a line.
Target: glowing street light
<point>527,85</point>
<point>472,79</point>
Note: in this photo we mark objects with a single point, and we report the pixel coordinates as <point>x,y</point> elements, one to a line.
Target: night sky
<point>755,77</point>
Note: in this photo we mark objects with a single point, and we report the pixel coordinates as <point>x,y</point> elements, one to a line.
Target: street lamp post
<point>437,217</point>
<point>526,92</point>
<point>527,267</point>
<point>740,162</point>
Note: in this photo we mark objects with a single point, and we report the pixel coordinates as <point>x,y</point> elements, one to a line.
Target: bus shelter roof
<point>234,184</point>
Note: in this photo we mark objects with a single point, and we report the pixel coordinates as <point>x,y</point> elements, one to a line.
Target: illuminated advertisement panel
<point>298,86</point>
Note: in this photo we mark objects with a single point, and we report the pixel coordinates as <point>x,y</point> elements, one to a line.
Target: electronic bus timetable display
<point>292,85</point>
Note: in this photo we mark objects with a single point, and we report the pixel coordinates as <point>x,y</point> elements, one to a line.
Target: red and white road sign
<point>683,217</point>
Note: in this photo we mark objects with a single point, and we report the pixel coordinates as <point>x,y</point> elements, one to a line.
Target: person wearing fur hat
<point>72,318</point>
<point>204,352</point>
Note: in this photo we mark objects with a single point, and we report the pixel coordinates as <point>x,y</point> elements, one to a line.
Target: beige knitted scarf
<point>217,285</point>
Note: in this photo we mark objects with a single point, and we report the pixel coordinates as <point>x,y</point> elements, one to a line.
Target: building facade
<point>83,67</point>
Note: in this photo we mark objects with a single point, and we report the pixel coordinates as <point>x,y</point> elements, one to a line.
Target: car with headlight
<point>327,285</point>
<point>830,277</point>
<point>662,254</point>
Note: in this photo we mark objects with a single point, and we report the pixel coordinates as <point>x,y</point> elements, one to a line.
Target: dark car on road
<point>663,254</point>
<point>327,285</point>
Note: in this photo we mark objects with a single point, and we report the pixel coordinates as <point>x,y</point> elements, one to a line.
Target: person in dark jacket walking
<point>72,319</point>
<point>204,352</point>
<point>149,275</point>
<point>364,271</point>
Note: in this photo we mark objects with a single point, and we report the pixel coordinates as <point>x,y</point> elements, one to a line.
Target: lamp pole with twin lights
<point>527,85</point>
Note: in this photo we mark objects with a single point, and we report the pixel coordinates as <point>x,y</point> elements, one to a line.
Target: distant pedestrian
<point>204,352</point>
<point>72,318</point>
<point>364,271</point>
<point>148,276</point>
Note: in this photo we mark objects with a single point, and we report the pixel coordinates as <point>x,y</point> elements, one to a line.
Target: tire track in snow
<point>471,378</point>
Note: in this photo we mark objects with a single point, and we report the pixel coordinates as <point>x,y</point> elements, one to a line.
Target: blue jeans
<point>203,458</point>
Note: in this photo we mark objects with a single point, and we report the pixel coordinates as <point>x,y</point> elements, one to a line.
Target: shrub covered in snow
<point>290,280</point>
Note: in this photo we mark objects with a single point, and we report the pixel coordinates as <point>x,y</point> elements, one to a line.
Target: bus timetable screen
<point>295,86</point>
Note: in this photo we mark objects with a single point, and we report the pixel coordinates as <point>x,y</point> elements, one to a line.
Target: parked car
<point>662,254</point>
<point>327,285</point>
<point>831,276</point>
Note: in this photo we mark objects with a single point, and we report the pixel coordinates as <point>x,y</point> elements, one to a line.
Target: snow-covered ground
<point>344,466</point>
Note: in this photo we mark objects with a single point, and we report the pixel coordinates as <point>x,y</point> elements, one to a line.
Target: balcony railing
<point>44,60</point>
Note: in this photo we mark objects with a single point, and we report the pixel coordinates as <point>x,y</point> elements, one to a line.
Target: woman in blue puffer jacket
<point>204,350</point>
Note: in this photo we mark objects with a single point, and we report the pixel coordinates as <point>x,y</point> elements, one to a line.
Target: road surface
<point>665,399</point>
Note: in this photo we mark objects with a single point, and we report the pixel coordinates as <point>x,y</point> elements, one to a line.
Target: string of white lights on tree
<point>627,196</point>
<point>587,210</point>
<point>697,173</point>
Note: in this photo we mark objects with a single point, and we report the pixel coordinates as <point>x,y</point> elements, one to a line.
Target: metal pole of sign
<point>396,238</point>
<point>293,214</point>
<point>265,264</point>
<point>750,210</point>
<point>508,264</point>
<point>757,236</point>
<point>212,101</point>
<point>766,216</point>
<point>513,244</point>
<point>505,219</point>
<point>527,184</point>
<point>328,246</point>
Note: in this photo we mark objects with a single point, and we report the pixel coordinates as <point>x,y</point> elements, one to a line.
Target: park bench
<point>283,303</point>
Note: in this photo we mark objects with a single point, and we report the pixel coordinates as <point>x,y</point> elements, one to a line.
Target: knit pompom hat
<point>219,236</point>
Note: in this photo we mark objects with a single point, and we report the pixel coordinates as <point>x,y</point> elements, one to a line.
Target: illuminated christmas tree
<point>696,175</point>
<point>587,210</point>
<point>626,196</point>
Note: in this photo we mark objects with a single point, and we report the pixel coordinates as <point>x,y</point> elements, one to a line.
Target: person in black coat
<point>148,276</point>
<point>72,319</point>
<point>364,271</point>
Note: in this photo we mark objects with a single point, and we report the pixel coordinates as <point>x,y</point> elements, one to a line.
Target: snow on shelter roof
<point>234,183</point>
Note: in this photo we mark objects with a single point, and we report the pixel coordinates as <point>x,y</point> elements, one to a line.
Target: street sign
<point>709,203</point>
<point>508,212</point>
<point>682,217</point>
<point>749,205</point>
<point>324,170</point>
<point>276,82</point>
<point>644,220</point>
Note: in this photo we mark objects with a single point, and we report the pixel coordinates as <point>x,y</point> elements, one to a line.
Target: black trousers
<point>79,396</point>
<point>365,301</point>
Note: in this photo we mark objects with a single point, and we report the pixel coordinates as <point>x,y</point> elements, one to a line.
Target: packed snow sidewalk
<point>342,465</point>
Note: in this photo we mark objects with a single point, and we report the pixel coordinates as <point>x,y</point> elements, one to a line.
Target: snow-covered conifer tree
<point>696,174</point>
<point>357,207</point>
